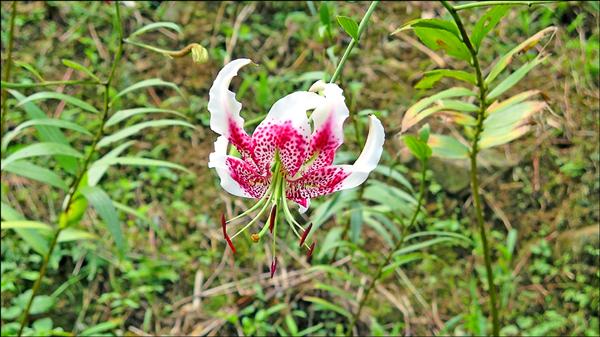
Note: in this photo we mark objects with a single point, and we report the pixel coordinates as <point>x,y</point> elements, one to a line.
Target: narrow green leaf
<point>506,59</point>
<point>439,24</point>
<point>518,98</point>
<point>136,161</point>
<point>125,114</point>
<point>48,133</point>
<point>80,67</point>
<point>394,174</point>
<point>33,238</point>
<point>96,172</point>
<point>24,224</point>
<point>155,26</point>
<point>59,123</point>
<point>31,69</point>
<point>323,305</point>
<point>418,148</point>
<point>486,23</point>
<point>70,234</point>
<point>432,77</point>
<point>427,101</point>
<point>425,244</point>
<point>349,25</point>
<point>514,114</point>
<point>324,15</point>
<point>29,170</point>
<point>514,78</point>
<point>153,82</point>
<point>447,147</point>
<point>458,105</point>
<point>436,39</point>
<point>104,207</point>
<point>503,137</point>
<point>40,149</point>
<point>44,95</point>
<point>131,130</point>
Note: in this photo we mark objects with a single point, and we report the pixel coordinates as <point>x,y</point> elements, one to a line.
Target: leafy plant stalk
<point>361,27</point>
<point>473,159</point>
<point>388,258</point>
<point>8,65</point>
<point>75,184</point>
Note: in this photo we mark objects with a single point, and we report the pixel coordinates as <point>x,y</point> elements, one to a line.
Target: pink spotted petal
<point>250,181</point>
<point>318,182</point>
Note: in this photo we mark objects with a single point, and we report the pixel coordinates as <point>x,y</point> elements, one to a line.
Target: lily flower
<point>285,159</point>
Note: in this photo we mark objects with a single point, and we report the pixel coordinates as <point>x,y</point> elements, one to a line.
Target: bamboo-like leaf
<point>335,291</point>
<point>137,161</point>
<point>411,117</point>
<point>425,244</point>
<point>31,69</point>
<point>513,114</point>
<point>514,78</point>
<point>447,147</point>
<point>506,59</point>
<point>432,77</point>
<point>518,98</point>
<point>29,170</point>
<point>131,130</point>
<point>47,133</point>
<point>59,123</point>
<point>32,236</point>
<point>324,305</point>
<point>436,39</point>
<point>349,25</point>
<point>486,23</point>
<point>418,148</point>
<point>96,172</point>
<point>80,67</point>
<point>44,95</point>
<point>104,207</point>
<point>439,24</point>
<point>24,224</point>
<point>40,149</point>
<point>394,174</point>
<point>456,105</point>
<point>155,26</point>
<point>125,114</point>
<point>505,137</point>
<point>458,118</point>
<point>71,234</point>
<point>153,82</point>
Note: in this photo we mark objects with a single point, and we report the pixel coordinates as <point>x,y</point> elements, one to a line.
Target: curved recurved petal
<point>285,128</point>
<point>237,176</point>
<point>369,157</point>
<point>224,109</point>
<point>328,120</point>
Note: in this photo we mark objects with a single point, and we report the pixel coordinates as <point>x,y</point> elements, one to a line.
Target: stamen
<point>273,267</point>
<point>272,218</point>
<point>255,237</point>
<point>224,226</point>
<point>305,234</point>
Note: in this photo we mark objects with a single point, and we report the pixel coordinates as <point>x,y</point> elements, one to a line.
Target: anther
<point>224,226</point>
<point>305,234</point>
<point>273,267</point>
<point>272,218</point>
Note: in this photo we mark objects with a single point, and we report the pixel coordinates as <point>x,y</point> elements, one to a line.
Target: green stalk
<point>499,3</point>
<point>75,184</point>
<point>361,28</point>
<point>8,65</point>
<point>474,178</point>
<point>388,258</point>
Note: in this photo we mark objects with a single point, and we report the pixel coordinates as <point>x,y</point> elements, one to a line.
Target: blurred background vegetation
<point>541,192</point>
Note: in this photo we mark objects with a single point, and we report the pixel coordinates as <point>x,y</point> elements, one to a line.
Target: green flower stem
<point>8,65</point>
<point>73,190</point>
<point>474,178</point>
<point>499,3</point>
<point>10,85</point>
<point>388,258</point>
<point>361,28</point>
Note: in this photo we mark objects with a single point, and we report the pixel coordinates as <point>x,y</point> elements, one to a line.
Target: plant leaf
<point>323,305</point>
<point>439,24</point>
<point>514,78</point>
<point>506,59</point>
<point>48,133</point>
<point>104,207</point>
<point>59,123</point>
<point>44,95</point>
<point>96,172</point>
<point>131,130</point>
<point>24,224</point>
<point>155,26</point>
<point>494,107</point>
<point>153,82</point>
<point>417,147</point>
<point>137,161</point>
<point>80,67</point>
<point>33,238</point>
<point>29,170</point>
<point>349,25</point>
<point>40,149</point>
<point>447,147</point>
<point>486,23</point>
<point>125,114</point>
<point>432,77</point>
<point>70,234</point>
<point>436,39</point>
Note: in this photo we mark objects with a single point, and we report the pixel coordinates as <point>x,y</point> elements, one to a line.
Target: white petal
<point>302,209</point>
<point>222,104</point>
<point>334,109</point>
<point>293,107</point>
<point>369,157</point>
<point>217,160</point>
